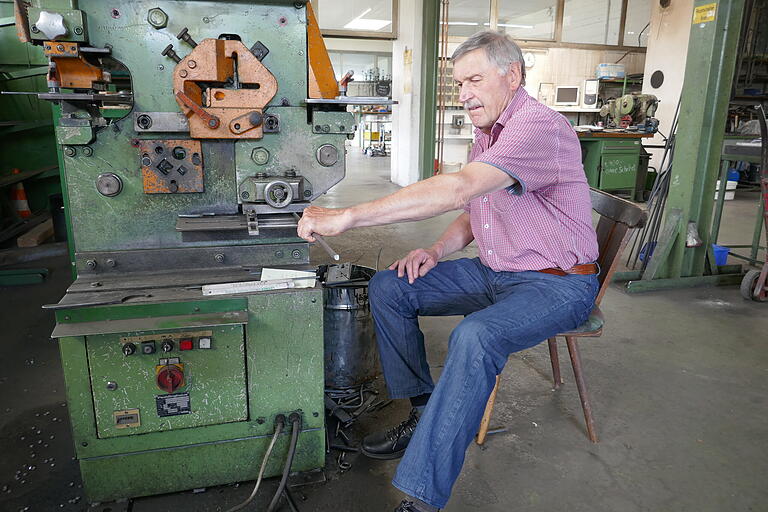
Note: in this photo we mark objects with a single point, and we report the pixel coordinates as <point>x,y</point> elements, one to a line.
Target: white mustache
<point>471,104</point>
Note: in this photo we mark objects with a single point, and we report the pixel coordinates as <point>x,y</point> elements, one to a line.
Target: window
<point>638,16</point>
<point>465,17</point>
<point>367,66</point>
<point>544,23</point>
<point>592,21</point>
<point>534,19</point>
<point>357,17</point>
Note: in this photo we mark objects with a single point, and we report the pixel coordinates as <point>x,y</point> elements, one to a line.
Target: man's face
<point>484,92</point>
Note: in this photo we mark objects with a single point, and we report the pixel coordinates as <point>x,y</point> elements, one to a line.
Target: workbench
<point>611,159</point>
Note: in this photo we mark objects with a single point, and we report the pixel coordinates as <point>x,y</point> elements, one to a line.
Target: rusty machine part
<point>234,109</point>
<point>70,69</point>
<point>171,166</point>
<point>322,81</point>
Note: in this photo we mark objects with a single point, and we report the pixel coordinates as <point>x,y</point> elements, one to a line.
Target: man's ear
<point>515,74</point>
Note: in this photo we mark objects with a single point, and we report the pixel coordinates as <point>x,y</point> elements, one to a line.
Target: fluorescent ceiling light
<point>512,25</point>
<point>509,25</point>
<point>361,23</point>
<point>467,23</point>
<point>366,24</point>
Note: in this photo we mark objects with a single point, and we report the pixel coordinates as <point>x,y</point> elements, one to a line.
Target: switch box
<point>212,383</point>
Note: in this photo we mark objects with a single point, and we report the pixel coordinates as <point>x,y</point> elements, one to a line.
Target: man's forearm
<point>422,200</point>
<point>456,237</point>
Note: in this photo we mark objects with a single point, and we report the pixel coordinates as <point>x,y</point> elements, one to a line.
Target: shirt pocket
<point>503,201</point>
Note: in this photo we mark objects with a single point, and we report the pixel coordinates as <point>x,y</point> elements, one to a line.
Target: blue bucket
<point>721,254</point>
<point>647,251</point>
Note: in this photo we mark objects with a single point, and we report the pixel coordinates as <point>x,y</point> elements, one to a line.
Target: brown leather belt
<point>586,269</point>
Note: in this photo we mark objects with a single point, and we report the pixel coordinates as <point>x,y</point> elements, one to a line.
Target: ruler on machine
<point>249,286</point>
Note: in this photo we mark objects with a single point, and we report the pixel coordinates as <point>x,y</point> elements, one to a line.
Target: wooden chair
<point>617,217</point>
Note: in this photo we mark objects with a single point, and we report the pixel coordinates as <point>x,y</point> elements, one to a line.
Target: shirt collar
<point>514,105</point>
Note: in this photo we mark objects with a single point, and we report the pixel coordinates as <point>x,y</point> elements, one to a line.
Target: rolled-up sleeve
<point>527,149</point>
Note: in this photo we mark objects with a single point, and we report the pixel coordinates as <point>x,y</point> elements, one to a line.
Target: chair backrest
<point>617,217</point>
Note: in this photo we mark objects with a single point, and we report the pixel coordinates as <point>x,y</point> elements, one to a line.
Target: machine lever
<point>333,254</point>
<point>211,120</point>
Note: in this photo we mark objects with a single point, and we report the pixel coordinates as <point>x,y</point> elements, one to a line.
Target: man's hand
<point>323,221</point>
<point>416,264</point>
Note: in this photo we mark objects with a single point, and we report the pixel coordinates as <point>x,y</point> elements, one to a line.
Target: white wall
<point>406,90</point>
<point>667,50</point>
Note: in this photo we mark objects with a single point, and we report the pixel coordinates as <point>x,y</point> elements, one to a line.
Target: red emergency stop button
<point>186,344</point>
<point>170,378</point>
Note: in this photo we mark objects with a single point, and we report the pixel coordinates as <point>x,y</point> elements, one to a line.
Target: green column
<point>705,96</point>
<point>427,112</point>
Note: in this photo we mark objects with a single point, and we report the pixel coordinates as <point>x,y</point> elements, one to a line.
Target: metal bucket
<point>351,357</point>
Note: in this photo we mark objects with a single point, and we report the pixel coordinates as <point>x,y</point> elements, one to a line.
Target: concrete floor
<point>678,383</point>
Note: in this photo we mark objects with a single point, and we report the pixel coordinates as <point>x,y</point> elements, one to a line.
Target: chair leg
<point>486,421</point>
<point>573,349</point>
<point>555,362</point>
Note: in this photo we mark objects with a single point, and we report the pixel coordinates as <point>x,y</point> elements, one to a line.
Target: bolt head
<point>219,258</point>
<point>35,29</point>
<point>79,31</point>
<point>260,156</point>
<point>91,264</point>
<point>183,73</point>
<point>87,151</point>
<point>69,151</point>
<point>192,64</point>
<point>157,18</point>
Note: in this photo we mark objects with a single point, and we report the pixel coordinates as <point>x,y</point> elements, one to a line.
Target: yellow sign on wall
<point>704,13</point>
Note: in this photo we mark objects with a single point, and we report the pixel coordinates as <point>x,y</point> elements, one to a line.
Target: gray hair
<point>500,49</point>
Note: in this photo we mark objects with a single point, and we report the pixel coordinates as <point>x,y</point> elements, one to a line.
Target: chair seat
<point>593,327</point>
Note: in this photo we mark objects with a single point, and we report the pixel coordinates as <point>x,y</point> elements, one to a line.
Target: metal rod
<point>320,240</point>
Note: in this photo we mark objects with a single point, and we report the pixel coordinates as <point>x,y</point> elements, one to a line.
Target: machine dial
<point>170,378</point>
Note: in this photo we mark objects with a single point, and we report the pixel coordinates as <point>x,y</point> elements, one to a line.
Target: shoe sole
<point>382,456</point>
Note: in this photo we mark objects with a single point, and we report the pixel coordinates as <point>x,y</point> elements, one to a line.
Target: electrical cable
<point>295,420</point>
<point>279,423</point>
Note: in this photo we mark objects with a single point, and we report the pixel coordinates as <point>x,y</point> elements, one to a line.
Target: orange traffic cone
<point>19,199</point>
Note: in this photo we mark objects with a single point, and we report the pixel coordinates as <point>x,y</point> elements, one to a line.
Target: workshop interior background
<point>169,338</point>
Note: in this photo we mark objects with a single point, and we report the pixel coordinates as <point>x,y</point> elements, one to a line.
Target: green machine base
<point>240,362</point>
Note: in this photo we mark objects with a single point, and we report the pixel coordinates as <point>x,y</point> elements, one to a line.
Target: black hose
<point>295,420</point>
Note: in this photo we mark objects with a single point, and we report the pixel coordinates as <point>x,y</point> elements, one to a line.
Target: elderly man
<point>526,204</point>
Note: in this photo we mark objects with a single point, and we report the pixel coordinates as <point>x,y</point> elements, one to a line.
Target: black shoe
<point>407,506</point>
<point>391,444</point>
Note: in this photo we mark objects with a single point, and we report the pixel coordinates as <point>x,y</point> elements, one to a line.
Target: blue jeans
<point>504,312</point>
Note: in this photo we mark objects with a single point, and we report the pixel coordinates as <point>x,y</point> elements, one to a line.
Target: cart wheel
<point>748,286</point>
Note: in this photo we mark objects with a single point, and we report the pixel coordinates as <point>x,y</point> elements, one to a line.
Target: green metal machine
<point>189,135</point>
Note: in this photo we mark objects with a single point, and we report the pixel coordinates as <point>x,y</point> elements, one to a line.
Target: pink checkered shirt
<point>544,220</point>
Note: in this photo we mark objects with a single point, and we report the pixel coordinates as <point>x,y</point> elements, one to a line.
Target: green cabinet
<point>611,163</point>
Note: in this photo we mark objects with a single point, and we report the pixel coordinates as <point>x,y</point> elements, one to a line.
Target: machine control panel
<point>168,343</point>
<point>161,380</point>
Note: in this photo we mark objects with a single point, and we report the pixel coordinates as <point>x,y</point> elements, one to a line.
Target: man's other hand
<point>323,221</point>
<point>416,264</point>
